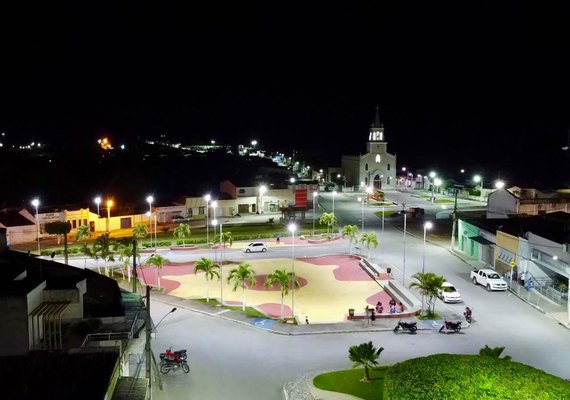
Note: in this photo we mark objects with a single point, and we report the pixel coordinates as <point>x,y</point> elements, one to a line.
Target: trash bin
<point>350,313</point>
<point>388,270</point>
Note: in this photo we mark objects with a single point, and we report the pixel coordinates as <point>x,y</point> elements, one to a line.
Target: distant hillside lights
<point>105,144</point>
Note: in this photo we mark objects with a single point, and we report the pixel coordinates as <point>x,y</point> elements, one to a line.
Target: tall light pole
<point>150,199</point>
<point>109,205</point>
<point>333,194</point>
<point>221,265</point>
<point>361,200</point>
<point>292,228</point>
<point>36,203</point>
<point>499,184</point>
<point>479,179</point>
<point>314,201</point>
<point>97,201</point>
<point>214,206</point>
<point>432,176</point>
<point>214,223</point>
<point>404,261</point>
<point>427,225</point>
<point>207,198</point>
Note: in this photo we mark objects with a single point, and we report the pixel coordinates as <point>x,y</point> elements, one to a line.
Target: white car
<point>448,293</point>
<point>255,247</point>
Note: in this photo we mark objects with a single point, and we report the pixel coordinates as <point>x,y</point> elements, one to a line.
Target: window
<point>377,159</point>
<point>74,225</point>
<point>85,221</point>
<point>241,191</point>
<point>366,167</point>
<point>388,167</point>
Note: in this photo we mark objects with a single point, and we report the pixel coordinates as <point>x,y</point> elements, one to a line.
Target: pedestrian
<point>523,278</point>
<point>278,239</point>
<point>392,308</point>
<point>307,320</point>
<point>367,314</point>
<point>372,316</point>
<point>379,307</point>
<point>400,307</point>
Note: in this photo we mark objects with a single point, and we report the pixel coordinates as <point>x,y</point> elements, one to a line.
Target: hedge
<point>458,376</point>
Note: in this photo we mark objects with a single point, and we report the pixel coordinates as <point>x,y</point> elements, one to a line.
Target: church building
<point>376,168</point>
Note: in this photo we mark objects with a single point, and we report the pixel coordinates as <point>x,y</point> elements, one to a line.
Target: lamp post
<point>361,200</point>
<point>499,184</point>
<point>315,194</point>
<point>333,194</point>
<point>479,179</point>
<point>427,225</point>
<point>221,265</point>
<point>109,205</point>
<point>165,315</point>
<point>214,206</point>
<point>404,261</point>
<point>207,198</point>
<point>292,228</point>
<point>432,176</point>
<point>262,190</point>
<point>150,199</point>
<point>97,201</point>
<point>36,203</point>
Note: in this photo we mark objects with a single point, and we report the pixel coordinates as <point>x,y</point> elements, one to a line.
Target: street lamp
<point>479,179</point>
<point>109,205</point>
<point>207,198</point>
<point>361,200</point>
<point>333,194</point>
<point>149,214</point>
<point>292,228</point>
<point>262,190</point>
<point>404,263</point>
<point>36,203</point>
<point>214,206</point>
<point>165,315</point>
<point>150,199</point>
<point>97,201</point>
<point>437,183</point>
<point>499,184</point>
<point>427,225</point>
<point>315,194</point>
<point>214,223</point>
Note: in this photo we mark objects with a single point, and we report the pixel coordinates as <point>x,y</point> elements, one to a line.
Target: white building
<point>503,203</point>
<point>376,168</point>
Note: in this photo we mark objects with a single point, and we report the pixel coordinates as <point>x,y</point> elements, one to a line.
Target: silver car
<point>254,247</point>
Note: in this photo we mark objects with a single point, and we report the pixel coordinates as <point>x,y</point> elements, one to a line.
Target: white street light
<point>333,194</point>
<point>150,199</point>
<point>207,198</point>
<point>427,225</point>
<point>214,223</point>
<point>500,185</point>
<point>292,228</point>
<point>97,201</point>
<point>262,190</point>
<point>432,176</point>
<point>315,194</point>
<point>361,200</point>
<point>36,203</point>
<point>479,179</point>
<point>404,263</point>
<point>109,205</point>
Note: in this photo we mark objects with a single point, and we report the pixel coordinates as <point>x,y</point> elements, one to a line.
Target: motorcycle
<point>408,326</point>
<point>171,360</point>
<point>467,314</point>
<point>450,325</point>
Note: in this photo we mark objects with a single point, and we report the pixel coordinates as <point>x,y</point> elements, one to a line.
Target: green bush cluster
<point>59,252</point>
<point>458,376</point>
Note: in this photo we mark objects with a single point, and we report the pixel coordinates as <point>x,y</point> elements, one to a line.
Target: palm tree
<point>225,237</point>
<point>328,219</point>
<point>284,280</point>
<point>81,235</point>
<point>106,245</point>
<point>364,355</point>
<point>428,284</point>
<point>140,231</point>
<point>369,239</point>
<point>242,276</point>
<point>158,261</point>
<point>60,228</point>
<point>125,252</point>
<point>350,231</point>
<point>210,271</point>
<point>182,231</point>
<point>493,352</point>
<point>94,252</point>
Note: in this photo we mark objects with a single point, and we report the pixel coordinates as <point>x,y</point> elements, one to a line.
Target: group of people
<point>392,304</point>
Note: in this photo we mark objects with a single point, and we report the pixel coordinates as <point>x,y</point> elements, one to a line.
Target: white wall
<point>500,204</point>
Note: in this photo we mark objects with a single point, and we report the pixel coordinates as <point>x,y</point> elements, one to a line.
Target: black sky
<point>479,85</point>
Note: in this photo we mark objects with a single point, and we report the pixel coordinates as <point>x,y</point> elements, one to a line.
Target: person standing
<point>372,316</point>
<point>367,314</point>
<point>523,278</point>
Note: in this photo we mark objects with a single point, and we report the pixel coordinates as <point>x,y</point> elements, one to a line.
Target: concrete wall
<point>14,332</point>
<point>501,203</point>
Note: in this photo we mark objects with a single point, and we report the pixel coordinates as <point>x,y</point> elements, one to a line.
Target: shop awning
<point>481,239</point>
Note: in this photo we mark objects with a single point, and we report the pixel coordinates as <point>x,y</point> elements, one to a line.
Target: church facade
<point>376,168</point>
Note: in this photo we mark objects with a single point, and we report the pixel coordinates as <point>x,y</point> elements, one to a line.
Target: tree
<point>369,239</point>
<point>493,352</point>
<point>140,231</point>
<point>350,231</point>
<point>182,231</point>
<point>83,233</point>
<point>284,280</point>
<point>94,252</point>
<point>225,237</point>
<point>429,285</point>
<point>329,219</point>
<point>210,271</point>
<point>107,247</point>
<point>242,276</point>
<point>125,251</point>
<point>158,261</point>
<point>60,228</point>
<point>364,355</point>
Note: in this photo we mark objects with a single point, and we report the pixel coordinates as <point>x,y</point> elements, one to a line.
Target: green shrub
<point>458,376</point>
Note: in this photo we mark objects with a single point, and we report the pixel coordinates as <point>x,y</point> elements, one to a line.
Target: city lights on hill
<point>105,143</point>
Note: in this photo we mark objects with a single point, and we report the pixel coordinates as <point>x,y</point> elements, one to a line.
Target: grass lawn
<point>384,203</point>
<point>348,381</point>
<point>386,213</point>
<point>252,312</point>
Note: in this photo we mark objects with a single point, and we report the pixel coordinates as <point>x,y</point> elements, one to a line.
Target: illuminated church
<point>376,168</point>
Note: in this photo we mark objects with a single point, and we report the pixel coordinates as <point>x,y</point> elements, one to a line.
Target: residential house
<point>503,203</point>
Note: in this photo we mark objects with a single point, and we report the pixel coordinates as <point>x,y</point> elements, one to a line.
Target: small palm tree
<point>106,246</point>
<point>369,239</point>
<point>329,219</point>
<point>284,280</point>
<point>226,237</point>
<point>350,231</point>
<point>210,271</point>
<point>83,233</point>
<point>364,355</point>
<point>158,261</point>
<point>182,231</point>
<point>94,252</point>
<point>125,252</point>
<point>242,276</point>
<point>429,284</point>
<point>140,231</point>
<point>493,352</point>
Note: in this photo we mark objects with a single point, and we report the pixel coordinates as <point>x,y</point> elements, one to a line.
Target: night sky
<point>480,85</point>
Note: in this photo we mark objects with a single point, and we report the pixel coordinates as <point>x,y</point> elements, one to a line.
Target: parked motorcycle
<point>408,326</point>
<point>450,325</point>
<point>467,314</point>
<point>171,360</point>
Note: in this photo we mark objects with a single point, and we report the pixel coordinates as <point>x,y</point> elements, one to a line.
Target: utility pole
<point>148,352</point>
<point>135,277</point>
<point>454,223</point>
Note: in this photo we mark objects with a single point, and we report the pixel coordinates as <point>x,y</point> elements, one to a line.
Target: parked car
<point>448,293</point>
<point>178,219</point>
<point>489,279</point>
<point>254,247</point>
